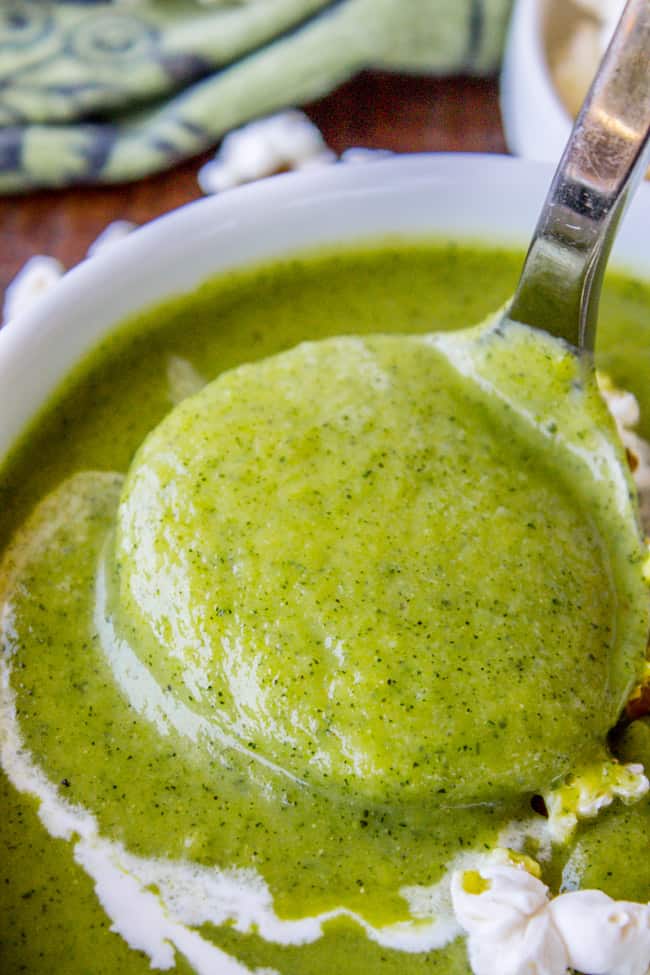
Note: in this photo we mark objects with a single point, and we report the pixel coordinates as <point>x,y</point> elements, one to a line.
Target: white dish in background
<point>491,198</point>
<point>536,123</point>
<point>552,53</point>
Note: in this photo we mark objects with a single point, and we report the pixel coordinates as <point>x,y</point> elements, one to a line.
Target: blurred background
<point>113,111</point>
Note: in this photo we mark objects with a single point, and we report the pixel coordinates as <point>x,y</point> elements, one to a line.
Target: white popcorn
<point>514,928</point>
<point>625,410</point>
<point>510,893</point>
<point>509,929</point>
<point>588,793</point>
<point>622,405</point>
<point>110,236</point>
<point>42,272</point>
<point>288,140</point>
<point>603,936</point>
<point>34,280</point>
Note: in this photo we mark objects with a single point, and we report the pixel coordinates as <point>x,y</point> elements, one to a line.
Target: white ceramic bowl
<point>489,198</point>
<point>536,123</point>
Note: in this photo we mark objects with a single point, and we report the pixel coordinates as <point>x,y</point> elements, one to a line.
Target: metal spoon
<point>606,156</point>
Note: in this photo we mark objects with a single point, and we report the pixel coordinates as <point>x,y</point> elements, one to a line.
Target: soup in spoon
<point>401,569</point>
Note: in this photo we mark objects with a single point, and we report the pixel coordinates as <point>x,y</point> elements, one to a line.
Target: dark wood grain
<point>376,110</point>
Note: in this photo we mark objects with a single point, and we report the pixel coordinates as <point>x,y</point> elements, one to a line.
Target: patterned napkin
<point>94,91</point>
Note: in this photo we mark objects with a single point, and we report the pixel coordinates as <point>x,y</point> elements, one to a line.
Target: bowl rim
<point>447,193</point>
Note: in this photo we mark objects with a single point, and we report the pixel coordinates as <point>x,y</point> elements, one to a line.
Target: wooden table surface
<point>375,110</point>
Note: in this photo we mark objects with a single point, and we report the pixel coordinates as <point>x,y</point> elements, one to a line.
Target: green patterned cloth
<point>105,92</point>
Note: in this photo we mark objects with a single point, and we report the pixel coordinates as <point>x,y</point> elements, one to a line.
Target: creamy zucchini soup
<point>323,635</point>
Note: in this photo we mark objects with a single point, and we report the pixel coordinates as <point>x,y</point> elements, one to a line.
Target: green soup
<point>269,661</point>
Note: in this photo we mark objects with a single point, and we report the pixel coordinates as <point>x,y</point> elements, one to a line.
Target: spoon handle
<point>607,153</point>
